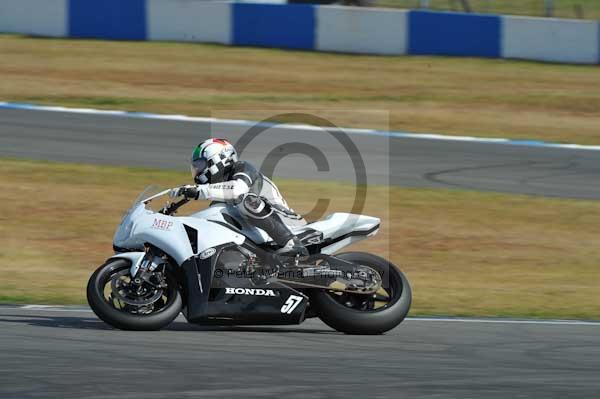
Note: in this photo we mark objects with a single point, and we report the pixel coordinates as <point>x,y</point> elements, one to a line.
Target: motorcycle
<point>215,268</point>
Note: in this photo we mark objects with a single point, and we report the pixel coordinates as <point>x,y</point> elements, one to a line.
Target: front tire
<point>123,318</point>
<point>353,313</point>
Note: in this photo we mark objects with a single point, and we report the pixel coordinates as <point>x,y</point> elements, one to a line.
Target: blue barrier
<point>309,27</point>
<point>108,19</point>
<point>445,33</point>
<point>272,25</point>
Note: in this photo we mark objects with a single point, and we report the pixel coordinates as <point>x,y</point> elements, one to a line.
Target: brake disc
<point>132,294</point>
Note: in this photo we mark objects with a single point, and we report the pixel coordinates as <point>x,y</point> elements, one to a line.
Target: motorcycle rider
<point>221,177</point>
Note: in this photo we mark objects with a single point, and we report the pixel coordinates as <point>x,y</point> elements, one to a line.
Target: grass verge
<point>466,253</point>
<point>480,97</point>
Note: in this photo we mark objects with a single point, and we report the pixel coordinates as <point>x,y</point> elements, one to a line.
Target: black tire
<point>353,321</point>
<point>124,320</point>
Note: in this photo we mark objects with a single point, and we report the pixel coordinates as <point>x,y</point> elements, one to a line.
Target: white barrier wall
<point>189,20</point>
<point>34,17</point>
<point>559,40</point>
<point>361,30</point>
<point>309,27</point>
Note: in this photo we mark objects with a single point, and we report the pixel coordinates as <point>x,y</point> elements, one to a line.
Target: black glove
<point>190,192</point>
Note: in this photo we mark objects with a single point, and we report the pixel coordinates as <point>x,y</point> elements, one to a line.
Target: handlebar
<point>156,196</point>
<point>171,208</point>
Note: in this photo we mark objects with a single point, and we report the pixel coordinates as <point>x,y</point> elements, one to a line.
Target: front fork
<point>147,263</point>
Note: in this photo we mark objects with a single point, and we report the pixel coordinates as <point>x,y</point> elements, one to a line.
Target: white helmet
<point>212,161</point>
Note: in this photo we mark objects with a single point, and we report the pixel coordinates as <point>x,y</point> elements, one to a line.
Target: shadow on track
<point>92,323</point>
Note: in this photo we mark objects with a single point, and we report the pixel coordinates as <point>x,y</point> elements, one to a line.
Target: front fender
<point>134,257</point>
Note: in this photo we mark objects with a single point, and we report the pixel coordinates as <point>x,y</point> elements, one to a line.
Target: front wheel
<point>366,314</point>
<point>116,299</point>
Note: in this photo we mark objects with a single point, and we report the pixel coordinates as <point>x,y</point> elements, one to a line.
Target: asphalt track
<point>66,353</point>
<point>410,162</point>
<point>71,354</point>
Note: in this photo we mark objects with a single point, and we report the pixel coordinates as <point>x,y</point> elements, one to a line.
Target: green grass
<point>562,8</point>
<point>463,96</point>
<point>465,253</point>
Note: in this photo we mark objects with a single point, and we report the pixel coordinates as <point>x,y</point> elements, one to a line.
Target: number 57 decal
<point>291,303</point>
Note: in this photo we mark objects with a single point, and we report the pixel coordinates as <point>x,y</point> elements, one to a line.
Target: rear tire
<point>377,321</point>
<point>122,319</point>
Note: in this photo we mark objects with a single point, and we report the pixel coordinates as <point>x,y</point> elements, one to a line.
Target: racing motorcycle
<point>215,268</point>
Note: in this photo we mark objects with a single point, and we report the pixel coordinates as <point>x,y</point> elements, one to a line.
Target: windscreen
<point>149,191</point>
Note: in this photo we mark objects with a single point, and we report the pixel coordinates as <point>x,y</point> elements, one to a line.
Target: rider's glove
<point>192,192</point>
<point>189,191</point>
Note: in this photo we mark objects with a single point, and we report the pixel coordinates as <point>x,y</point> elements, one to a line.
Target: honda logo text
<point>250,291</point>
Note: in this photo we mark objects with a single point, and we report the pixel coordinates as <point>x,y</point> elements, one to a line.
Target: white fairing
<point>339,224</point>
<point>168,233</point>
<point>216,213</point>
<point>141,225</point>
<point>333,226</point>
<point>353,227</point>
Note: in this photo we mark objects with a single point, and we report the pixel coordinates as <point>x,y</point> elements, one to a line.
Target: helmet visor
<point>198,167</point>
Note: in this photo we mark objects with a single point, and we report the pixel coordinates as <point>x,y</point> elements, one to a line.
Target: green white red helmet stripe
<point>212,159</point>
<point>199,150</point>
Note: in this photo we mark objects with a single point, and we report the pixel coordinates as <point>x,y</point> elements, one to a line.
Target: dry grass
<point>465,253</point>
<point>422,94</point>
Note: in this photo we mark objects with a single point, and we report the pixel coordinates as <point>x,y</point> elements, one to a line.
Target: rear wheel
<point>127,304</point>
<point>366,314</point>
